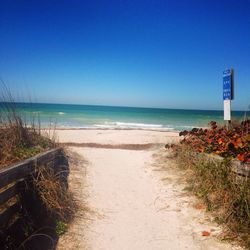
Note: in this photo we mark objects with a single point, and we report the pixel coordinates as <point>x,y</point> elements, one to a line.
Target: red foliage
<point>233,143</point>
<point>205,233</point>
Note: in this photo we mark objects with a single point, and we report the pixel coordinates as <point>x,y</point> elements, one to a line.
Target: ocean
<point>107,117</point>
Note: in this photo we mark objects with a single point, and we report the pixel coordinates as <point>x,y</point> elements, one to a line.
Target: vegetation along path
<point>135,204</point>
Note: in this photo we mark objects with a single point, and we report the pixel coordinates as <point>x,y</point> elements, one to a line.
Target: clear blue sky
<point>149,53</point>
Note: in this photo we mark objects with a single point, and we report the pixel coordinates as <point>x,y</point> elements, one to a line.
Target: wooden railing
<point>239,168</point>
<point>14,180</point>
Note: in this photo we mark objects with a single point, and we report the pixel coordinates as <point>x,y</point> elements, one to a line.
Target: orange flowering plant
<point>228,143</point>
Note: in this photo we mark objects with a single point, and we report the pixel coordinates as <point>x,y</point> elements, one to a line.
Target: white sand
<point>134,208</point>
<point>115,136</point>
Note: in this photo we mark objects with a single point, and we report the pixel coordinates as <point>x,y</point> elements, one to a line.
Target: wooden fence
<point>14,180</point>
<point>239,168</point>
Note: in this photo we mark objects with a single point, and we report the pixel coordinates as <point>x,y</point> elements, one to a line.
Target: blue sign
<point>228,84</point>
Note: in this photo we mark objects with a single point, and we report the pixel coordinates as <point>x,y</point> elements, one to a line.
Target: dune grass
<point>224,193</point>
<point>19,140</point>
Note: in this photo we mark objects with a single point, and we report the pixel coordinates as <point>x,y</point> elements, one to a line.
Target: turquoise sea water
<point>88,116</point>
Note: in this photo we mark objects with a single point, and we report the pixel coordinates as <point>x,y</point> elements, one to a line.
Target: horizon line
<point>118,106</point>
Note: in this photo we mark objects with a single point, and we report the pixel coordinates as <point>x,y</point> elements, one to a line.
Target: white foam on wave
<point>188,126</point>
<point>137,125</point>
<point>131,125</point>
<point>61,113</point>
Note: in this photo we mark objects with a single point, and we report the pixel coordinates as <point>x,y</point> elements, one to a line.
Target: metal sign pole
<point>227,112</point>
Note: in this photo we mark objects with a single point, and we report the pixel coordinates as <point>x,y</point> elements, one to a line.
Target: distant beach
<point>66,116</point>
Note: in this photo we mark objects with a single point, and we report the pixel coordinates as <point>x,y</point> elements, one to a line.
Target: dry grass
<point>54,194</point>
<point>111,146</point>
<point>19,140</point>
<point>57,207</point>
<point>225,194</point>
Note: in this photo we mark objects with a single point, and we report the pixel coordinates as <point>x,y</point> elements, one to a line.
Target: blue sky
<point>148,53</point>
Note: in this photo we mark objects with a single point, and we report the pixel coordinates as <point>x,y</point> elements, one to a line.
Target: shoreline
<point>133,129</point>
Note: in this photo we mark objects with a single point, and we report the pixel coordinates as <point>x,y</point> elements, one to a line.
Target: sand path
<point>133,207</point>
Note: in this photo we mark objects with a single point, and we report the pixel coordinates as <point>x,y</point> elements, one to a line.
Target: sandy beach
<point>116,136</point>
<point>133,203</point>
<point>105,85</point>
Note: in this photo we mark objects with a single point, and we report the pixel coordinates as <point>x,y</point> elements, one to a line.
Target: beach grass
<point>18,141</point>
<point>226,195</point>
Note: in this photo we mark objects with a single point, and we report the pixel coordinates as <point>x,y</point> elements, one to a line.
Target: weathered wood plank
<point>15,173</point>
<point>237,167</point>
<point>10,192</point>
<point>241,169</point>
<point>52,155</point>
<point>26,167</point>
<point>8,213</point>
